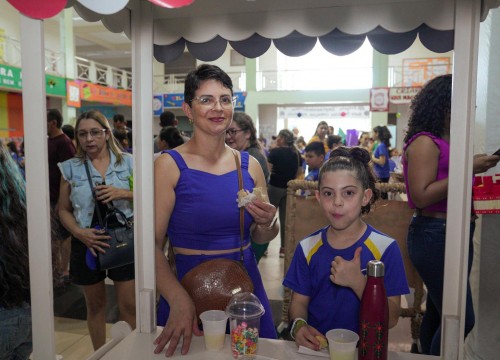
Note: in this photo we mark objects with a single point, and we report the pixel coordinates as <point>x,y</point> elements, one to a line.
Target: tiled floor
<point>73,341</point>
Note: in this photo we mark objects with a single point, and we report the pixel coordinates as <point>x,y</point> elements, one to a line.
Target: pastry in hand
<point>323,343</point>
<point>245,197</point>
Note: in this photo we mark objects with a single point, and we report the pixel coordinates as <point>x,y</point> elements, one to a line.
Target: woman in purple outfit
<point>196,188</point>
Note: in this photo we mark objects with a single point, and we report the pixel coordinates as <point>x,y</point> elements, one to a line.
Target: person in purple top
<point>196,188</point>
<point>426,155</point>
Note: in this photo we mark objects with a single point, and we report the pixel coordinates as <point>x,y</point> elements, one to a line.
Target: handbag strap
<point>242,210</point>
<point>99,216</point>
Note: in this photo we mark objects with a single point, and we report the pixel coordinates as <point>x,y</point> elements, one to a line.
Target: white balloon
<point>106,7</point>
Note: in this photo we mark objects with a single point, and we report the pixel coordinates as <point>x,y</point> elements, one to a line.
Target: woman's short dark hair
<point>245,123</point>
<point>202,73</point>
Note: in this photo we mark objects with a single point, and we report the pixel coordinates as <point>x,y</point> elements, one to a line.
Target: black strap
<point>242,210</point>
<point>99,216</point>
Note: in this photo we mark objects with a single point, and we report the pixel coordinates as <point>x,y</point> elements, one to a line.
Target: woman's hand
<point>107,193</point>
<point>262,212</point>
<point>306,336</point>
<point>182,322</point>
<point>93,239</point>
<point>483,162</point>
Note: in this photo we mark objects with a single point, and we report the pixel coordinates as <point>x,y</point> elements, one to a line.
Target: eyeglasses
<point>233,132</point>
<point>94,133</point>
<point>208,101</point>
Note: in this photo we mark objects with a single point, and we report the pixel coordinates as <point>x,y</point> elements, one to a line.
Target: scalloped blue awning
<point>297,44</point>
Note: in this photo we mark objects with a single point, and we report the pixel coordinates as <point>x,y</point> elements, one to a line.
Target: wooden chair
<point>391,217</point>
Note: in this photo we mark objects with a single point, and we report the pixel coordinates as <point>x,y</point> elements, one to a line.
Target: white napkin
<point>307,351</point>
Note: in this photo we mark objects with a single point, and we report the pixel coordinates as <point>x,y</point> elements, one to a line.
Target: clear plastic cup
<point>342,344</point>
<point>214,329</point>
<point>245,311</point>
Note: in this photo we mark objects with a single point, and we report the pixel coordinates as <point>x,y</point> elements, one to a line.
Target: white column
<point>37,187</point>
<point>483,342</point>
<point>460,179</point>
<point>142,105</point>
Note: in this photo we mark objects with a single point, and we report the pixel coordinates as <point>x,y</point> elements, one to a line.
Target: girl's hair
<point>111,142</point>
<point>202,73</point>
<point>384,135</point>
<point>430,107</point>
<point>353,159</point>
<point>172,136</point>
<point>245,123</point>
<point>321,123</point>
<point>14,270</point>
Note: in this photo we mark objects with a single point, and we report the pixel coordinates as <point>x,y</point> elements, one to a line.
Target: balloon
<point>104,6</point>
<point>37,9</point>
<point>172,3</point>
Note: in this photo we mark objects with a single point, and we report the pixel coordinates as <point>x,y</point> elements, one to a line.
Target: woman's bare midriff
<point>184,251</point>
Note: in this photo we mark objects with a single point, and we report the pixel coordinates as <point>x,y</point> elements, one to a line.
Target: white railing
<point>10,54</point>
<point>102,74</point>
<point>174,83</point>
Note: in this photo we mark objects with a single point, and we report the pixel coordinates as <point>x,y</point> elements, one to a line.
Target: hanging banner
<point>403,95</point>
<point>379,99</point>
<point>176,100</point>
<point>103,94</point>
<point>157,105</point>
<point>11,78</point>
<point>325,112</point>
<point>73,94</point>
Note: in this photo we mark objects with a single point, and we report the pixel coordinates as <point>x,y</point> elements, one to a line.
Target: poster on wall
<point>379,99</point>
<point>416,72</point>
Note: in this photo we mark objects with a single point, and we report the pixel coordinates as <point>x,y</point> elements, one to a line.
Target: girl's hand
<point>94,239</point>
<point>263,213</point>
<point>182,323</point>
<point>107,193</point>
<point>306,336</point>
<point>348,273</point>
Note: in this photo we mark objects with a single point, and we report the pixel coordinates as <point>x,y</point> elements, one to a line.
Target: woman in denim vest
<point>111,175</point>
<point>15,311</point>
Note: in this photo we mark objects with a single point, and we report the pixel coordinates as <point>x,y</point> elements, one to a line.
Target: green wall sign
<point>11,78</point>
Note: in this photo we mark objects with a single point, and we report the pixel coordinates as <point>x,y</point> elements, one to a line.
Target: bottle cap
<point>375,268</point>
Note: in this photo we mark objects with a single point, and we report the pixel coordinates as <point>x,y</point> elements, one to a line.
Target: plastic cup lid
<point>245,306</point>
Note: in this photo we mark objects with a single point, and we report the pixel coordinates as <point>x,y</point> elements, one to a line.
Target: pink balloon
<point>172,3</point>
<point>38,9</point>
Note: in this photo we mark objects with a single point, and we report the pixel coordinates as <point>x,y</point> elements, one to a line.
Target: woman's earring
<point>191,121</point>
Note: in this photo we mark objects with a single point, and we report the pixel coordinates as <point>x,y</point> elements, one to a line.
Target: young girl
<point>327,273</point>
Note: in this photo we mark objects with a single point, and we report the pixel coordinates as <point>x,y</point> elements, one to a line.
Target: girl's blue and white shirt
<point>330,305</point>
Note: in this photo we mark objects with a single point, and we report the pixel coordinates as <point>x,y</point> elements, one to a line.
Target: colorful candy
<point>244,340</point>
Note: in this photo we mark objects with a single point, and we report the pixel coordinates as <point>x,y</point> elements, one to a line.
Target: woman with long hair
<point>111,175</point>
<point>321,134</point>
<point>242,136</point>
<point>426,155</point>
<point>15,311</point>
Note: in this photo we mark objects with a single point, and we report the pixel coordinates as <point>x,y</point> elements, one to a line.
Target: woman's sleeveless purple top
<point>442,173</point>
<point>206,214</point>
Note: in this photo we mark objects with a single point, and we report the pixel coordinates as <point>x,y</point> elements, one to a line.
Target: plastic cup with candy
<point>244,311</point>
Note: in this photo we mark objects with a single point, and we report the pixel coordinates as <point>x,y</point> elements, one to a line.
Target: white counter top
<point>139,346</point>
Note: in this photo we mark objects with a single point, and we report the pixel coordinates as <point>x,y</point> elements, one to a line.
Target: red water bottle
<point>374,315</point>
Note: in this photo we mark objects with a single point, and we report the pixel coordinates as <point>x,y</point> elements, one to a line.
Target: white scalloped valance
<point>206,27</point>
